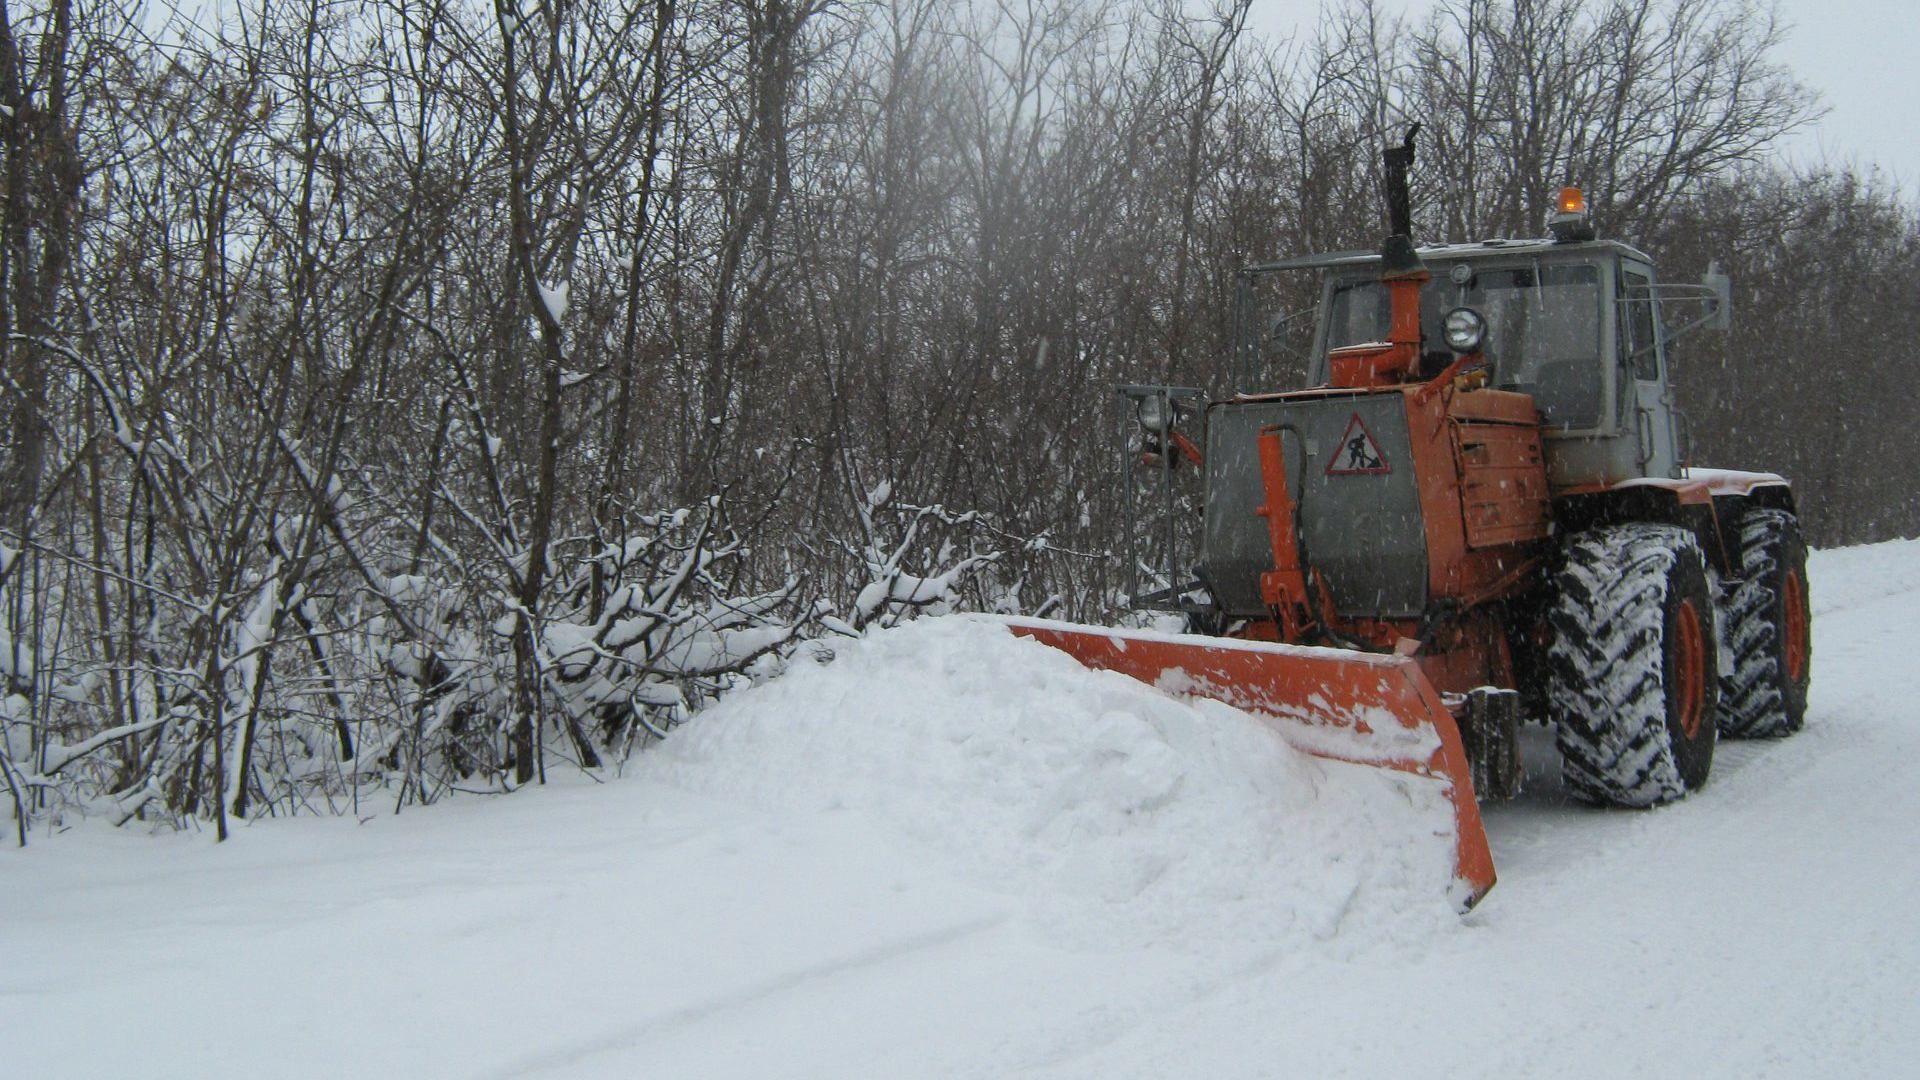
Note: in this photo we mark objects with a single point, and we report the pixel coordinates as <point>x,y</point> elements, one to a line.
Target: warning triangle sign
<point>1358,453</point>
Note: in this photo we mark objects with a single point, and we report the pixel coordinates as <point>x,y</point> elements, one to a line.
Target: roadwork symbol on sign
<point>1357,453</point>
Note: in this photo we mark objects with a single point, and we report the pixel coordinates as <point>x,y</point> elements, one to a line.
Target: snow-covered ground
<point>951,853</point>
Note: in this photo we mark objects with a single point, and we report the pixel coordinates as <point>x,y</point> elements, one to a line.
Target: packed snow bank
<point>1107,807</point>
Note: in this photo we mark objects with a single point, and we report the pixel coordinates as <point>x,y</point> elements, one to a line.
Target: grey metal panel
<point>1591,459</point>
<point>1363,532</point>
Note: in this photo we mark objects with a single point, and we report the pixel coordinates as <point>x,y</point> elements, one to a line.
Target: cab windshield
<point>1543,329</point>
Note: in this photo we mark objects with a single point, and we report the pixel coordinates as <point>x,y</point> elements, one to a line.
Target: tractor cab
<point>1575,325</point>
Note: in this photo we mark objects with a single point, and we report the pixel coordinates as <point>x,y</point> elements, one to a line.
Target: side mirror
<point>1720,297</point>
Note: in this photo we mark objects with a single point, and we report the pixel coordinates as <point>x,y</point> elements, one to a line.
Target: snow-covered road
<point>938,858</point>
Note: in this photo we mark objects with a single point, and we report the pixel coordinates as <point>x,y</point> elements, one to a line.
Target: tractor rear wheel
<point>1631,670</point>
<point>1769,631</point>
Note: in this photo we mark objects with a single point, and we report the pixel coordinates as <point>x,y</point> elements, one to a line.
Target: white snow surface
<point>951,853</point>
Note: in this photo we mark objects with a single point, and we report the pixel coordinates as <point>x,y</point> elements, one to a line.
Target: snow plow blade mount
<point>1357,707</point>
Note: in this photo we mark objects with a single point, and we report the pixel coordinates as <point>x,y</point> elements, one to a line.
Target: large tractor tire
<point>1768,631</point>
<point>1631,670</point>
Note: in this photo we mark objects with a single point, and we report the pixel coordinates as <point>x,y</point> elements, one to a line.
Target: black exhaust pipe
<point>1398,259</point>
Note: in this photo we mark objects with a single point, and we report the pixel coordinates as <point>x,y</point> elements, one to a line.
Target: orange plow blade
<point>1363,708</point>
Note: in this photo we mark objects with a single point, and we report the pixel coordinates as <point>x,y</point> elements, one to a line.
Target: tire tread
<point>1606,681</point>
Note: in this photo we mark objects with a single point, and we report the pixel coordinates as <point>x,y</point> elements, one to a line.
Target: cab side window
<point>1637,353</point>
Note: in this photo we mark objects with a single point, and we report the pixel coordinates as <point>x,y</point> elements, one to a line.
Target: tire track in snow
<point>1112,1025</point>
<point>628,1036</point>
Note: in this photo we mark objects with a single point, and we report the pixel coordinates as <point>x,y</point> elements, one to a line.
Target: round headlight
<point>1465,330</point>
<point>1153,412</point>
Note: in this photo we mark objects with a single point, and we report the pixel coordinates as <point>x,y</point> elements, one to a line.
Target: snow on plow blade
<point>1357,707</point>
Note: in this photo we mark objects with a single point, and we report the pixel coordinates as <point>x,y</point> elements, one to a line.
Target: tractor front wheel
<point>1632,680</point>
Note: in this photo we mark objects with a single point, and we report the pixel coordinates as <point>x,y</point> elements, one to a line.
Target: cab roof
<point>1450,253</point>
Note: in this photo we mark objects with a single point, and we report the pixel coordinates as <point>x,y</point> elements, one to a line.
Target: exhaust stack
<point>1402,272</point>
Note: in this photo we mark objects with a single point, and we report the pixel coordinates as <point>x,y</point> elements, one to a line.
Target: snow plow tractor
<point>1479,515</point>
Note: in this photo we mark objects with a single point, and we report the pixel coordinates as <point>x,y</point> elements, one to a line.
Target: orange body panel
<point>1483,487</point>
<point>1503,483</point>
<point>1374,364</point>
<point>1495,406</point>
<point>1365,708</point>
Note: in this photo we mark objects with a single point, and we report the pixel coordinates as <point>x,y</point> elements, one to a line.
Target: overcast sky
<point>1859,55</point>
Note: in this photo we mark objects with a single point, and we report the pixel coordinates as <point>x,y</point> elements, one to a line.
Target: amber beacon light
<point>1570,221</point>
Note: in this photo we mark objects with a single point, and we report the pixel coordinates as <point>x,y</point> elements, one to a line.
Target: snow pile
<point>1104,807</point>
